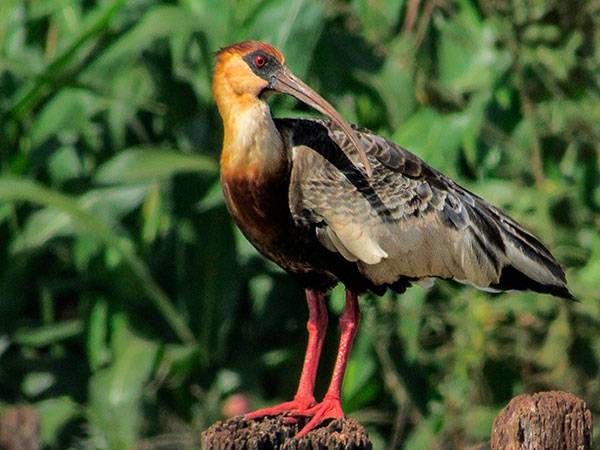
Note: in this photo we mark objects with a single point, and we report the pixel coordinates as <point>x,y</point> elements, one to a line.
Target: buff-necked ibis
<point>330,202</point>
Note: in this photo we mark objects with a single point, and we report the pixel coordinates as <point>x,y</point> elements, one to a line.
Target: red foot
<point>329,408</point>
<point>298,404</point>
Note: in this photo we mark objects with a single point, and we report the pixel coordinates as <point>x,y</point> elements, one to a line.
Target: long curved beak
<point>286,82</point>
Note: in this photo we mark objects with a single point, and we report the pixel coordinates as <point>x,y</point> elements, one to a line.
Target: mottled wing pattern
<point>408,219</point>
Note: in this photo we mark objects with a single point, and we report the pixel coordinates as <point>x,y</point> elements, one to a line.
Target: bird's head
<point>249,71</point>
<point>246,69</point>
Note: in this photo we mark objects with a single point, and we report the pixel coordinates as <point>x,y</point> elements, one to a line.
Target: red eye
<point>259,61</point>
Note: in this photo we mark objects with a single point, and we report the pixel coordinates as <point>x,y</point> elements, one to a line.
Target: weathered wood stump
<point>543,421</point>
<point>272,433</point>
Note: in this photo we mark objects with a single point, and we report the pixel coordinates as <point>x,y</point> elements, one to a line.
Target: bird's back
<point>408,221</point>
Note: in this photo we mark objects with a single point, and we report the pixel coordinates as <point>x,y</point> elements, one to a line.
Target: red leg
<point>317,325</point>
<point>330,407</point>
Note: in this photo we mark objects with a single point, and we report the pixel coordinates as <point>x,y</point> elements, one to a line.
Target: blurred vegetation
<point>134,315</point>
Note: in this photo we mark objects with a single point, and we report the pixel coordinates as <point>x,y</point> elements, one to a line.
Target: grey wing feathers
<point>408,219</point>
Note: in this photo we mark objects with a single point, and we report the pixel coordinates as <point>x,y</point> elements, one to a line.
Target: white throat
<point>253,139</point>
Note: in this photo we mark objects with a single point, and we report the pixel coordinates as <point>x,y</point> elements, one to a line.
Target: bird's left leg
<point>330,407</point>
<point>316,325</point>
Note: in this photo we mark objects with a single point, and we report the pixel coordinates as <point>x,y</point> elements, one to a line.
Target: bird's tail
<point>529,265</point>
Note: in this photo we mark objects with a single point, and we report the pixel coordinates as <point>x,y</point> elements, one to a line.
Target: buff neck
<point>252,145</point>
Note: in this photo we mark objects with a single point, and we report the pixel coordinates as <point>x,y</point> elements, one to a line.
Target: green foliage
<point>132,311</point>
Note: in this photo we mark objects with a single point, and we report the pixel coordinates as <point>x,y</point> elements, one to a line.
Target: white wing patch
<point>351,241</point>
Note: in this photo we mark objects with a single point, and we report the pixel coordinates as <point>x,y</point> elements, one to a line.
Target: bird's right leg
<point>317,325</point>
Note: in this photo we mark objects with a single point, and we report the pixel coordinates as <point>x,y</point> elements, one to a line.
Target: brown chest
<point>259,206</point>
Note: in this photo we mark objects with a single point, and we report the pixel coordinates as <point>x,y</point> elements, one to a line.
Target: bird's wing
<point>408,219</point>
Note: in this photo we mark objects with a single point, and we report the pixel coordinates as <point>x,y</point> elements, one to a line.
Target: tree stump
<point>272,433</point>
<point>543,421</point>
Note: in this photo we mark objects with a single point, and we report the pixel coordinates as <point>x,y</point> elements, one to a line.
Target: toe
<point>330,408</point>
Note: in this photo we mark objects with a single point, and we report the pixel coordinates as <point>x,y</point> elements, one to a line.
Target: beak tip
<point>367,166</point>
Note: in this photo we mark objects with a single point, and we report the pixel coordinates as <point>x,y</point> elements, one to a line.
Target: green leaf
<point>216,19</point>
<point>55,413</point>
<point>212,199</point>
<point>358,385</point>
<point>474,119</point>
<point>35,383</point>
<point>40,228</point>
<point>542,32</point>
<point>65,164</point>
<point>379,18</point>
<point>48,334</point>
<point>132,90</point>
<point>112,203</point>
<point>395,81</point>
<point>337,299</point>
<point>107,205</point>
<point>479,420</point>
<point>409,323</point>
<point>116,392</point>
<point>147,164</point>
<point>182,361</point>
<point>159,21</point>
<point>98,353</point>
<point>468,57</point>
<point>33,92</point>
<point>433,137</point>
<point>423,435</point>
<point>156,219</point>
<point>553,60</point>
<point>66,114</point>
<point>292,26</point>
<point>48,7</point>
<point>557,343</point>
<point>260,288</point>
<point>15,189</point>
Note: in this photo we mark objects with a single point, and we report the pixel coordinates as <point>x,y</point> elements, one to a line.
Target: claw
<point>329,408</point>
<point>298,404</point>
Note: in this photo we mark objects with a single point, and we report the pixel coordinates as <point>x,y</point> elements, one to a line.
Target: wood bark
<point>272,433</point>
<point>543,421</point>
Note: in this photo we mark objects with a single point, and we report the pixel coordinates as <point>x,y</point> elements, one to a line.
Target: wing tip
<point>513,278</point>
<point>562,292</point>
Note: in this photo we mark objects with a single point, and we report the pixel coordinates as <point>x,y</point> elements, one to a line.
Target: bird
<point>330,202</point>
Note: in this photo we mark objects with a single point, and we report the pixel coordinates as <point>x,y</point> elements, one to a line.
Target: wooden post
<point>544,421</point>
<point>272,433</point>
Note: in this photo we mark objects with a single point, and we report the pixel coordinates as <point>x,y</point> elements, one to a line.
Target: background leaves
<point>134,315</point>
